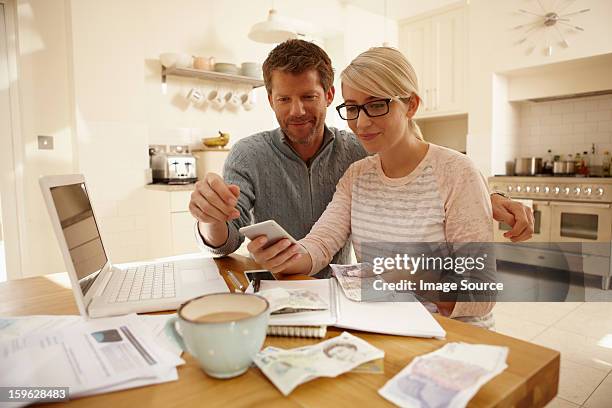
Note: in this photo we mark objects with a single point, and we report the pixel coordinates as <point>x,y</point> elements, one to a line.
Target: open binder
<point>406,318</point>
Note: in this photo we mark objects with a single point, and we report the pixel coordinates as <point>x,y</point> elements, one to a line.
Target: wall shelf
<point>211,76</point>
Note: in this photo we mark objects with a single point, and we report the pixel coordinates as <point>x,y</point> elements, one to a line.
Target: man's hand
<point>281,257</point>
<point>516,215</point>
<point>213,201</point>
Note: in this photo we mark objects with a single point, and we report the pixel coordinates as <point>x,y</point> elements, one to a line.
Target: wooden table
<point>531,379</point>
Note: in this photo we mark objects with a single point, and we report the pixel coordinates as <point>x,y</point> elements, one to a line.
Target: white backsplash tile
<point>565,126</point>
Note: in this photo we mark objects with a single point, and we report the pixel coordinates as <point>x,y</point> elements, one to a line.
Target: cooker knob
<point>566,190</point>
<point>527,189</point>
<point>509,189</point>
<point>588,191</point>
<point>536,189</point>
<point>546,189</point>
<point>556,189</point>
<point>599,191</point>
<point>577,190</point>
<point>519,189</point>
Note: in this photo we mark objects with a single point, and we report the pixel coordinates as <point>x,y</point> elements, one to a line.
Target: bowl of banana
<point>218,141</point>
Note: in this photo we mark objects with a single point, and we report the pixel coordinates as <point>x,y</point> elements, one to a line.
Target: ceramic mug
<point>231,99</point>
<point>215,98</point>
<point>247,99</point>
<point>223,331</point>
<point>195,96</point>
<point>203,63</point>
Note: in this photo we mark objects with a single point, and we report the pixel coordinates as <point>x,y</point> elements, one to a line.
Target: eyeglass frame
<point>363,108</point>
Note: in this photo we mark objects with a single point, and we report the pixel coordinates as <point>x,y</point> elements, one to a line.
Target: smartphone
<point>270,229</point>
<point>255,277</point>
<point>259,274</point>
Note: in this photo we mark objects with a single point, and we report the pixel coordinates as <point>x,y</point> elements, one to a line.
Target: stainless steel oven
<point>541,214</point>
<point>573,223</point>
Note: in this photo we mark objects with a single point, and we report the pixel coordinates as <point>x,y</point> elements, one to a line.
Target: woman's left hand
<point>516,215</point>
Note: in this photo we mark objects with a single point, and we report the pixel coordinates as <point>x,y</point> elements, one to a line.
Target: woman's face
<point>380,133</point>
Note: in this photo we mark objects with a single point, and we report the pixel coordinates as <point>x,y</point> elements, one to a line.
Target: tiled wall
<point>566,126</point>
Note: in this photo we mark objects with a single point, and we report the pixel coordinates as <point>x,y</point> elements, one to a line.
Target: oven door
<point>541,225</point>
<point>581,222</point>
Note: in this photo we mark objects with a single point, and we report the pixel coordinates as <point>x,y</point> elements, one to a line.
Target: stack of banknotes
<point>287,369</point>
<point>447,377</point>
<point>293,300</point>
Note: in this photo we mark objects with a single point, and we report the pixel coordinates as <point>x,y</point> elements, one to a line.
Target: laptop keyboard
<point>145,282</point>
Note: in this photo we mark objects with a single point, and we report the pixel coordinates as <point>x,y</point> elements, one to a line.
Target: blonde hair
<point>383,72</point>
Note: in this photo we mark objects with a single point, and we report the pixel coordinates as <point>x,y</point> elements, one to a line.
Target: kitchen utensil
<point>203,63</point>
<point>563,168</point>
<point>527,166</point>
<point>184,61</point>
<point>231,99</point>
<point>215,98</point>
<point>558,168</point>
<point>195,96</point>
<point>247,99</point>
<point>251,69</point>
<point>226,68</point>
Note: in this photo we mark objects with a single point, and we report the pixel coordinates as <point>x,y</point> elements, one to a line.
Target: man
<point>289,174</point>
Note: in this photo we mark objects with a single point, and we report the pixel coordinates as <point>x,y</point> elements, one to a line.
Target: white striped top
<point>445,199</point>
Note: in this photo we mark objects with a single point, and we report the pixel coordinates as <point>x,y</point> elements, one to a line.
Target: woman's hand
<point>281,257</point>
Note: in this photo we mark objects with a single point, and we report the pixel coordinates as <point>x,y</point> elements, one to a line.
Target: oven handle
<point>588,205</point>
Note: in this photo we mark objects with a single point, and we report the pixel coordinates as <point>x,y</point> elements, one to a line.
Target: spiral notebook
<point>406,318</point>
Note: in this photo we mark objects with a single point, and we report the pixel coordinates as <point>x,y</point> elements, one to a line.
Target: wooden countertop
<point>531,379</point>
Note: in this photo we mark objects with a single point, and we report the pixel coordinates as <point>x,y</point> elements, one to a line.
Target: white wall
<point>449,132</point>
<point>45,100</point>
<point>492,49</point>
<point>91,78</point>
<point>566,127</point>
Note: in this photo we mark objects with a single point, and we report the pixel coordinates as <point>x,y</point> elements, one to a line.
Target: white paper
<point>89,357</point>
<point>405,318</point>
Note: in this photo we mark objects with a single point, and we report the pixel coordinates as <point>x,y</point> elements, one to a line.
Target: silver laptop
<point>102,289</point>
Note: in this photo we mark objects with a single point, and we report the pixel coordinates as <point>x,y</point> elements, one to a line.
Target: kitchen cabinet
<point>436,47</point>
<point>209,160</point>
<point>171,225</point>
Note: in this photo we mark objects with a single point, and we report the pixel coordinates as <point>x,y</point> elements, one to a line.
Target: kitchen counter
<point>170,187</point>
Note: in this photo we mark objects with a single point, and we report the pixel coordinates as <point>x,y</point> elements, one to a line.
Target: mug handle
<point>170,329</point>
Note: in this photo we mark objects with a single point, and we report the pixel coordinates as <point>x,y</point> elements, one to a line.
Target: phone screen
<point>255,277</point>
<point>259,275</point>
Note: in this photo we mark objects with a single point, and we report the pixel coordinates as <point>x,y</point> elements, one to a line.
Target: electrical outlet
<point>45,142</point>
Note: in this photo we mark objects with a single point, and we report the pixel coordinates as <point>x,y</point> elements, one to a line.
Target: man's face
<point>300,104</point>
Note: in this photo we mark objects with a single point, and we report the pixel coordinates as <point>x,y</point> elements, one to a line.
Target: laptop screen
<point>80,231</point>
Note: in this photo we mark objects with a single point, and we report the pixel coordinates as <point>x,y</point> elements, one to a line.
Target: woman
<point>408,190</point>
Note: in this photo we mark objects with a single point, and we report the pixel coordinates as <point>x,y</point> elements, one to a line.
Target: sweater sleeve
<point>468,220</point>
<point>333,228</point>
<point>236,170</point>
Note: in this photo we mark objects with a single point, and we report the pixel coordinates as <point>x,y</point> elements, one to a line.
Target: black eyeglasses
<point>372,109</point>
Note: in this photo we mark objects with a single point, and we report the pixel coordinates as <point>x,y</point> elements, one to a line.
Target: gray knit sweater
<point>275,183</point>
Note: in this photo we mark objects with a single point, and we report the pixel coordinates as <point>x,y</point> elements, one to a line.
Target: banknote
<point>287,369</point>
<point>293,300</point>
<point>448,377</point>
<point>357,283</point>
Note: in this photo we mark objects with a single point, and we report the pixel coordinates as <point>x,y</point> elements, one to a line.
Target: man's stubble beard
<point>312,136</point>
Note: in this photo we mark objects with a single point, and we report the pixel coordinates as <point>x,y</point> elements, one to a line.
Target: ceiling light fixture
<point>272,31</point>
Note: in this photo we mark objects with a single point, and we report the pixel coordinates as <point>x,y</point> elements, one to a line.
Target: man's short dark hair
<point>296,57</point>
